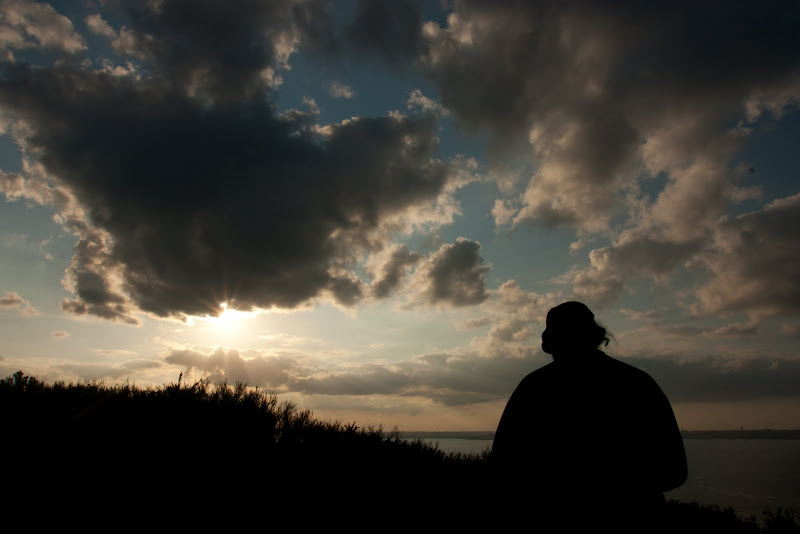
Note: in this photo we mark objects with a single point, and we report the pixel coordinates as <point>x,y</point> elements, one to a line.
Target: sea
<point>747,475</point>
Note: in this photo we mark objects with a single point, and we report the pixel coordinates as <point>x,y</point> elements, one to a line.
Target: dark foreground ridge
<point>124,452</point>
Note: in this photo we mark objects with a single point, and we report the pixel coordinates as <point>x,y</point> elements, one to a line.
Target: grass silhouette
<point>127,451</point>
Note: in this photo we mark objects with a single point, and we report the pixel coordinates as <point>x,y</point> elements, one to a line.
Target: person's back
<point>587,431</point>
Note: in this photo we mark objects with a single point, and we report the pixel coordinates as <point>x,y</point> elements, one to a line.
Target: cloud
<point>464,376</point>
<point>517,319</point>
<point>452,378</point>
<point>125,42</point>
<point>610,267</point>
<point>338,90</point>
<point>453,275</point>
<point>791,330</point>
<point>287,340</point>
<point>603,101</point>
<point>578,181</point>
<point>723,380</point>
<point>96,279</point>
<point>581,143</point>
<point>596,93</point>
<point>115,352</point>
<point>747,328</point>
<point>490,366</point>
<point>98,371</point>
<point>108,67</point>
<point>367,379</point>
<point>27,23</point>
<point>390,267</point>
<point>60,333</point>
<point>504,211</point>
<point>470,324</point>
<point>661,332</point>
<point>100,26</point>
<point>186,190</point>
<point>417,100</point>
<point>93,275</point>
<point>685,331</point>
<point>752,260</point>
<point>13,301</point>
<point>274,372</point>
<point>16,187</point>
<point>388,29</point>
<point>649,316</point>
<point>518,310</point>
<point>220,51</point>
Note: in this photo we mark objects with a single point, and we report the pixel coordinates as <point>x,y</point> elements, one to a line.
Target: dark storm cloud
<point>390,29</point>
<point>194,191</point>
<point>221,49</point>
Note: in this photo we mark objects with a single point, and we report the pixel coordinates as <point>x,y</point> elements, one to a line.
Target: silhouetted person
<point>586,437</point>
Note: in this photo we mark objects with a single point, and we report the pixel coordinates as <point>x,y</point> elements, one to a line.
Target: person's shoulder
<point>631,371</point>
<point>542,371</point>
<point>540,375</point>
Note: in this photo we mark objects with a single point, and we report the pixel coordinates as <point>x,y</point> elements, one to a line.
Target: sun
<point>231,319</point>
<point>230,326</point>
<point>228,319</point>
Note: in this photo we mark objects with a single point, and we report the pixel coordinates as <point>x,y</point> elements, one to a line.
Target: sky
<point>368,207</point>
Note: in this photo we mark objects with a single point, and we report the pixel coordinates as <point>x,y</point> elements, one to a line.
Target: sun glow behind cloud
<point>231,327</point>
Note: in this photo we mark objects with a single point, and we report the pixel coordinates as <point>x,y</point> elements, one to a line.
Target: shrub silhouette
<point>126,452</point>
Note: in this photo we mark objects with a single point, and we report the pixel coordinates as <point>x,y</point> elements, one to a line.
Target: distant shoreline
<point>766,433</point>
<point>687,434</point>
<point>485,434</point>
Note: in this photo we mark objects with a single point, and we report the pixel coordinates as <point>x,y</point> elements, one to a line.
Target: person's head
<point>571,328</point>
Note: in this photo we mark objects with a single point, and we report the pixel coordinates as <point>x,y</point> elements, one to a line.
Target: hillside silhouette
<point>123,451</point>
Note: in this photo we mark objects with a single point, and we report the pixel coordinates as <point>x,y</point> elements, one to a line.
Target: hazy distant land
<point>766,433</point>
<point>687,434</point>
